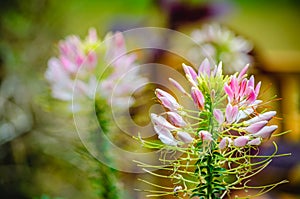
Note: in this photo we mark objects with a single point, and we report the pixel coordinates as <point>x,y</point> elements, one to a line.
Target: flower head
<point>221,44</point>
<point>75,69</point>
<point>220,133</point>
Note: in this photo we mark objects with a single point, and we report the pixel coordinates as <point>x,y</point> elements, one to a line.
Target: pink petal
<point>204,68</point>
<point>219,116</point>
<point>251,82</point>
<point>197,97</point>
<point>229,92</point>
<point>243,72</point>
<point>251,97</point>
<point>257,88</point>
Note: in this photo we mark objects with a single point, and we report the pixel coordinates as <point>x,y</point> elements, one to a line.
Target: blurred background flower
<point>36,162</point>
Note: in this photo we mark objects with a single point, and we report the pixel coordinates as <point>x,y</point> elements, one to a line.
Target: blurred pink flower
<point>73,72</point>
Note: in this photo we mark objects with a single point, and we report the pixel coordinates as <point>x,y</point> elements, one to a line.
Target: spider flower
<point>218,134</point>
<point>221,44</point>
<point>79,61</point>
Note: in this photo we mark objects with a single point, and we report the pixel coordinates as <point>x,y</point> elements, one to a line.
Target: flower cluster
<point>239,114</point>
<point>75,55</point>
<point>217,137</point>
<point>79,63</point>
<point>219,43</point>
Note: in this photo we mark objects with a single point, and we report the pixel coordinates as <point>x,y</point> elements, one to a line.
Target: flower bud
<point>231,113</point>
<point>205,135</point>
<point>225,142</point>
<point>197,97</point>
<point>254,142</point>
<point>167,140</point>
<point>218,70</point>
<point>189,71</point>
<point>167,100</point>
<point>176,119</point>
<point>255,127</point>
<point>161,121</point>
<point>266,131</point>
<point>185,137</point>
<point>178,86</point>
<point>177,188</point>
<point>265,116</point>
<point>165,135</point>
<point>204,68</point>
<point>219,116</point>
<point>241,141</point>
<point>190,74</point>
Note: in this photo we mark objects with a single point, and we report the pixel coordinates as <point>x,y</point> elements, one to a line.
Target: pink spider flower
<point>78,62</point>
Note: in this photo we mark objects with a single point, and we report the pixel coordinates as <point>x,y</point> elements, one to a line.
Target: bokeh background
<point>36,161</point>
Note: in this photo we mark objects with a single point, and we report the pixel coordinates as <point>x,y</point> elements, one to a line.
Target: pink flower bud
<point>169,104</point>
<point>185,137</point>
<point>167,140</point>
<point>204,68</point>
<point>265,116</point>
<point>92,36</point>
<point>165,135</point>
<point>176,119</point>
<point>190,74</point>
<point>241,141</point>
<point>219,116</point>
<point>255,142</point>
<point>225,142</point>
<point>197,97</point>
<point>231,113</point>
<point>162,122</point>
<point>167,100</point>
<point>266,131</point>
<point>255,127</point>
<point>205,135</point>
<point>178,86</point>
